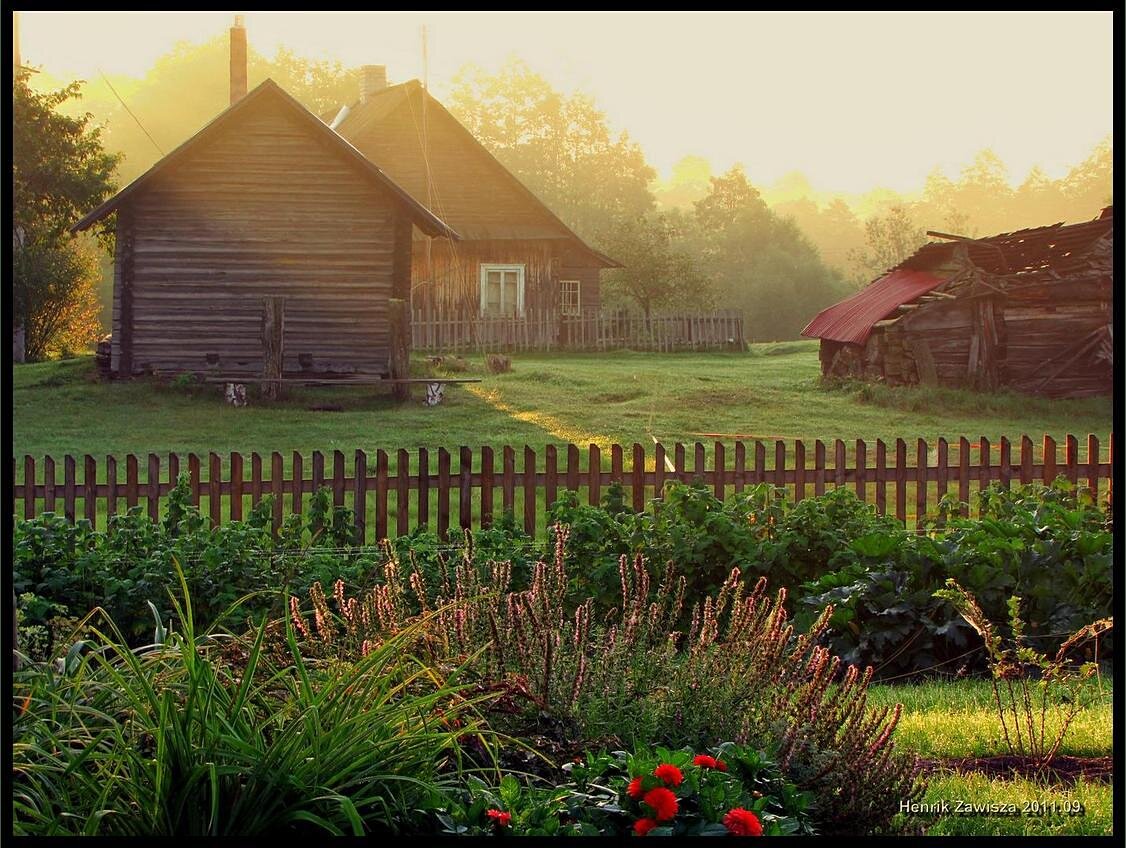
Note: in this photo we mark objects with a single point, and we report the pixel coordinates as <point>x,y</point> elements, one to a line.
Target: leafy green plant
<point>1027,684</point>
<point>205,733</point>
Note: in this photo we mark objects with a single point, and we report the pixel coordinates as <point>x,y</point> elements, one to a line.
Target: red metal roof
<point>851,320</point>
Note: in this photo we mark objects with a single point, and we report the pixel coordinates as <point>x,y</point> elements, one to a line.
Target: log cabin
<point>264,207</point>
<point>1028,311</point>
<point>514,255</point>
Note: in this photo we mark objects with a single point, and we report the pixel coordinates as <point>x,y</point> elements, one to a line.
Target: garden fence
<point>543,330</point>
<point>392,492</point>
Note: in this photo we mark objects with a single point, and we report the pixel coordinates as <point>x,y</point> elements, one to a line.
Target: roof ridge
<point>426,219</point>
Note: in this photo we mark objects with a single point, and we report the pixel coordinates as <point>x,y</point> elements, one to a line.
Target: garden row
<point>1052,546</point>
<point>636,675</point>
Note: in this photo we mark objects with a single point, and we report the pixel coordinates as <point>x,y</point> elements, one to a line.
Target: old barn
<point>515,256</point>
<point>264,208</point>
<point>1028,311</point>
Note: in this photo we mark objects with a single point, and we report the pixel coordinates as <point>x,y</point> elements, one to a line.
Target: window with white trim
<point>502,290</point>
<point>570,297</point>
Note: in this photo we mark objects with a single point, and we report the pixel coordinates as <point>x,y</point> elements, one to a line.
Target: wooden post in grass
<point>399,358</point>
<point>273,335</point>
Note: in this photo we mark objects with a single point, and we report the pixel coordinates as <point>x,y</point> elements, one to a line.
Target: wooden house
<point>1028,311</point>
<point>265,204</point>
<point>515,256</point>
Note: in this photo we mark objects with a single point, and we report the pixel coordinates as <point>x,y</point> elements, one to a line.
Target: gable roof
<point>372,126</point>
<point>1059,248</point>
<point>422,217</point>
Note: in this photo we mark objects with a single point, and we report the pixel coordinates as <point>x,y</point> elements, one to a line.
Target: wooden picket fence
<point>419,491</point>
<point>545,330</point>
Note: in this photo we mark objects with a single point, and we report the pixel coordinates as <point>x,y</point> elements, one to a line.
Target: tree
<point>560,147</point>
<point>759,262</point>
<point>729,196</point>
<point>887,242</point>
<point>657,272</point>
<point>59,172</point>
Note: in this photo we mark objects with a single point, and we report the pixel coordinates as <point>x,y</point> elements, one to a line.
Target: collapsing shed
<point>1028,311</point>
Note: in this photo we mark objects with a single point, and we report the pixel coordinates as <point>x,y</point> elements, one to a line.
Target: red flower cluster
<point>663,803</point>
<point>742,822</point>
<point>669,773</point>
<point>634,790</point>
<point>499,817</point>
<point>709,762</point>
<point>642,826</point>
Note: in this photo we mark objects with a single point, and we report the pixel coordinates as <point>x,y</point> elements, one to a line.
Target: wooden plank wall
<point>392,492</point>
<point>263,209</point>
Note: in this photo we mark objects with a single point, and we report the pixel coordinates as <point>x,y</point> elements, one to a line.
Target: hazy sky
<point>853,100</point>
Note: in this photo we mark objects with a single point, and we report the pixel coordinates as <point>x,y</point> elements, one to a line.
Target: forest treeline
<point>696,239</point>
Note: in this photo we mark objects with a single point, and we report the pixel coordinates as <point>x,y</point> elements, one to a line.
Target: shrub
<point>739,671</point>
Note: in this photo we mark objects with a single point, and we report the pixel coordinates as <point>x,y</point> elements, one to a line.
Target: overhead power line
<point>125,106</point>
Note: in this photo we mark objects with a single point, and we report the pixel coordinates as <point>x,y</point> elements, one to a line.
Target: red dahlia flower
<point>708,762</point>
<point>663,802</point>
<point>669,773</point>
<point>500,818</point>
<point>634,789</point>
<point>642,826</point>
<point>742,822</point>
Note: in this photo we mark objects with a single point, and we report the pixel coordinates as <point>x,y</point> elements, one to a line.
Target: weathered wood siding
<point>448,276</point>
<point>263,209</point>
<point>464,184</point>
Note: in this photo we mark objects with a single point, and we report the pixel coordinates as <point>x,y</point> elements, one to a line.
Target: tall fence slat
<point>443,493</point>
<point>880,474</point>
<point>594,475</point>
<point>360,494</point>
<point>637,475</point>
<point>49,484</point>
<point>540,487</point>
<point>402,491</point>
<point>154,487</point>
<point>550,476</point>
<point>236,487</point>
<point>277,480</point>
<point>214,496</point>
<point>530,491</point>
<point>487,486</point>
<point>381,494</point>
<point>921,454</point>
<point>29,487</point>
<point>298,474</point>
<point>111,485</point>
<point>465,491</point>
<point>90,493</point>
<point>901,480</point>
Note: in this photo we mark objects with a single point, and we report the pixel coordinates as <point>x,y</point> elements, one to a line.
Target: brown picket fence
<point>425,489</point>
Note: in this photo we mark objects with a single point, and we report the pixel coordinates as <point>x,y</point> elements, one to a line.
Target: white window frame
<point>519,269</point>
<point>577,309</point>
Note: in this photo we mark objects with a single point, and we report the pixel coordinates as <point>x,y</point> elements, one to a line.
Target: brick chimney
<point>374,80</point>
<point>238,60</point>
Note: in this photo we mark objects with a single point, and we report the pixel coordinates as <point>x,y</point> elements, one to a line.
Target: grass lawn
<point>770,392</point>
<point>956,719</point>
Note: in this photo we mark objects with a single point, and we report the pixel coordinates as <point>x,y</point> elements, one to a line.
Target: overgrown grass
<point>1096,800</point>
<point>773,391</point>
<point>957,718</point>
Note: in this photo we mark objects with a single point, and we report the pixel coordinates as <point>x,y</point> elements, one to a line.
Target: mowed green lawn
<point>770,392</point>
<point>957,719</point>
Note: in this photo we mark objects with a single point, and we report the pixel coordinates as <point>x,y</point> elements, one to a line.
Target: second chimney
<point>238,61</point>
<point>374,80</point>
